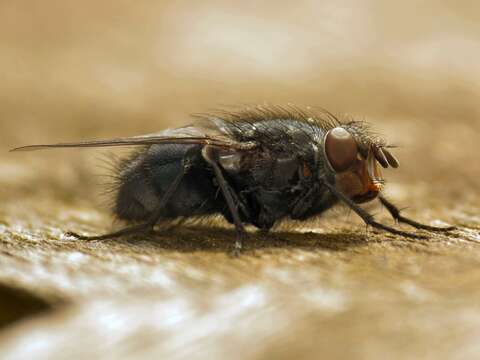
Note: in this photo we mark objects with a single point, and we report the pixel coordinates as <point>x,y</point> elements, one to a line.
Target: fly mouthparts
<point>373,169</point>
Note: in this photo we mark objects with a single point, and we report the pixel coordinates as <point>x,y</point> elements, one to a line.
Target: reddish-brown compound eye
<point>341,149</point>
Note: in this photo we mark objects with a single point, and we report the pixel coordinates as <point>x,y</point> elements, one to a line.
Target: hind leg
<point>150,223</point>
<point>123,232</point>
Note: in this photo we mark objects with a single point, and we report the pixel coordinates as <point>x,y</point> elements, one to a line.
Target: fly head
<point>355,156</point>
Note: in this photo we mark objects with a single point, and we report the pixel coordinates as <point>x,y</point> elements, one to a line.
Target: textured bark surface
<point>328,287</point>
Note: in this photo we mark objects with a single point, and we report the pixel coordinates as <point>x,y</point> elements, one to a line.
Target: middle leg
<point>231,198</point>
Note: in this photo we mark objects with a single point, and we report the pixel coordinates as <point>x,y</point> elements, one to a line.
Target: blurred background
<point>73,70</point>
<point>76,70</point>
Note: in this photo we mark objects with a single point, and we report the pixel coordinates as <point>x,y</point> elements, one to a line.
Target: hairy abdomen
<point>144,179</point>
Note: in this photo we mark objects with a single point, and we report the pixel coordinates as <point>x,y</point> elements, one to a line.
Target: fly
<point>269,163</point>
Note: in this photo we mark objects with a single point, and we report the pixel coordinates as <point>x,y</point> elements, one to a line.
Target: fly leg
<point>230,197</point>
<point>395,213</point>
<point>123,232</point>
<point>304,203</point>
<point>366,217</point>
<point>150,223</point>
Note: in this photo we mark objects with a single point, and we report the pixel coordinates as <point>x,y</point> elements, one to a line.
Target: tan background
<point>77,70</point>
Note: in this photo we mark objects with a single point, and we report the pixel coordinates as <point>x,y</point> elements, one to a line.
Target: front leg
<point>366,217</point>
<point>395,213</point>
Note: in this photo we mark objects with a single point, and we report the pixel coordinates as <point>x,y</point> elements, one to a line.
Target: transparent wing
<point>185,135</point>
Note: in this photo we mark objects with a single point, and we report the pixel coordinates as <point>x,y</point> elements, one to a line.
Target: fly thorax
<point>285,171</point>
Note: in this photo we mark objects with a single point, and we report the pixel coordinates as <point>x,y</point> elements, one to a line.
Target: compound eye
<point>341,149</point>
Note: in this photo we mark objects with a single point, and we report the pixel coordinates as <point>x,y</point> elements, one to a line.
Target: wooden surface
<point>328,288</point>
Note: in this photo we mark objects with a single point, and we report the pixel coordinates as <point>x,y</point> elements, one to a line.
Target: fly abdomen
<point>146,178</point>
<point>136,197</point>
